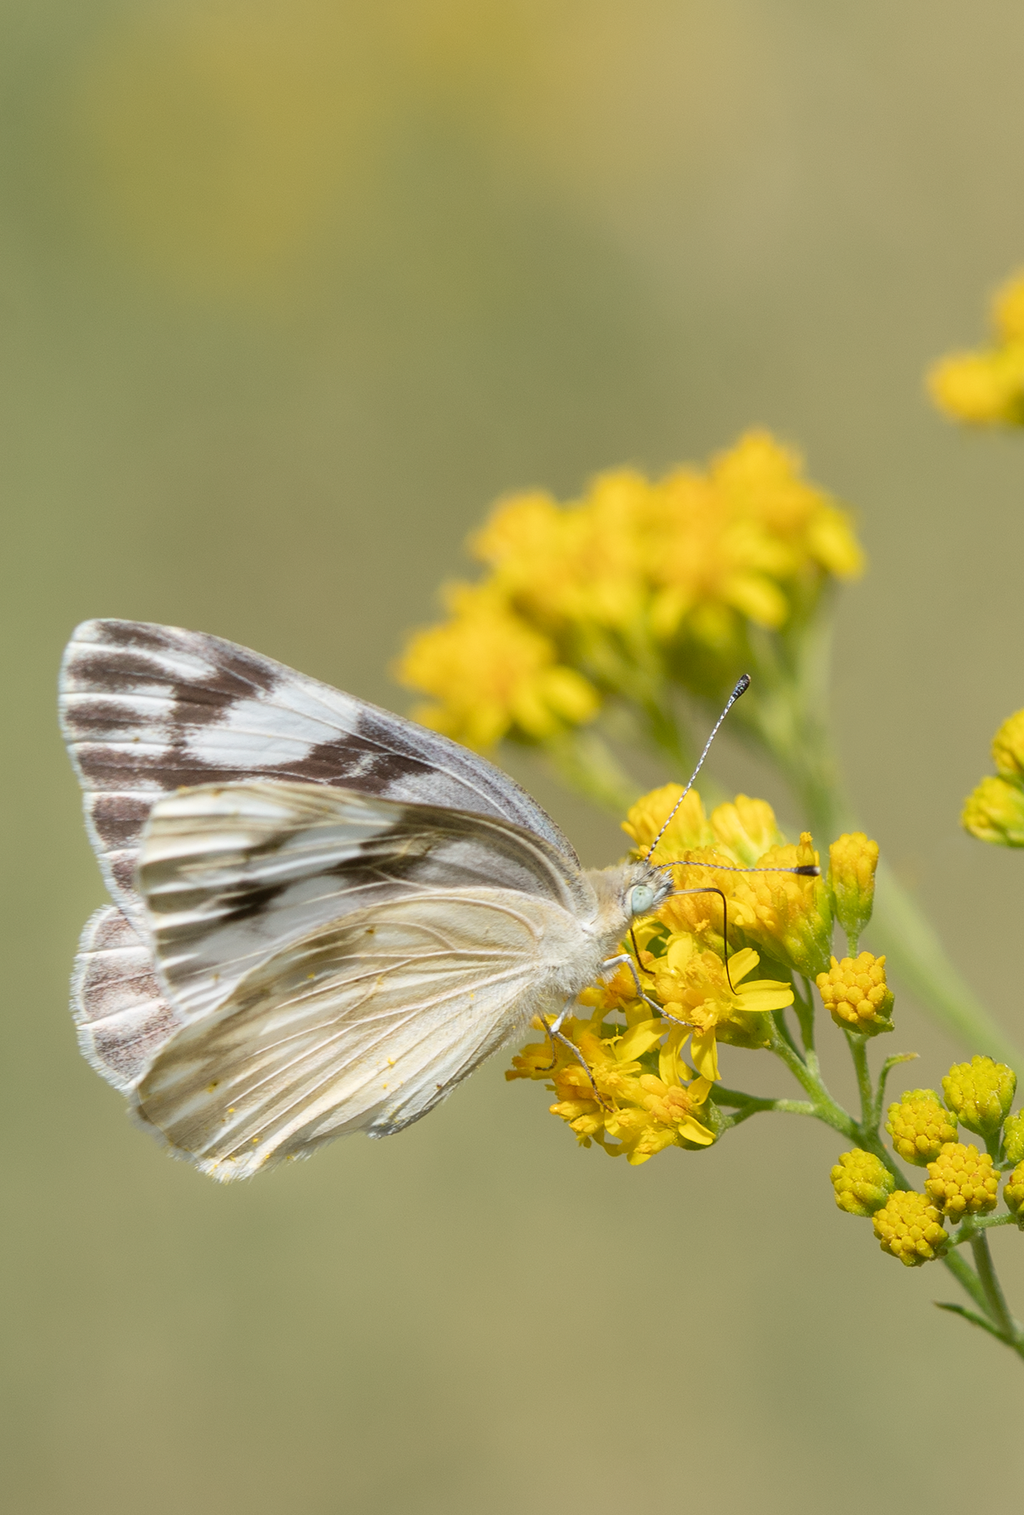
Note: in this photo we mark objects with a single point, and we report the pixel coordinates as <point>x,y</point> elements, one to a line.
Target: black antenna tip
<point>742,685</point>
<point>808,870</point>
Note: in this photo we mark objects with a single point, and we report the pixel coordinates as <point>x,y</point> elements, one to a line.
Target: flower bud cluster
<point>862,1182</point>
<point>920,1126</point>
<point>1014,1193</point>
<point>856,995</point>
<point>980,1094</point>
<point>962,1181</point>
<point>853,860</point>
<point>910,1228</point>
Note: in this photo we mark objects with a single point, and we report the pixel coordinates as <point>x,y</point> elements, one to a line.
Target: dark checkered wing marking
<point>148,709</point>
<point>232,874</point>
<point>122,1014</point>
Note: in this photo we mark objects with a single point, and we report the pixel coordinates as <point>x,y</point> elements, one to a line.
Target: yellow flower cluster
<point>986,388</point>
<point>785,915</point>
<point>647,1098</point>
<point>614,588</point>
<point>995,810</point>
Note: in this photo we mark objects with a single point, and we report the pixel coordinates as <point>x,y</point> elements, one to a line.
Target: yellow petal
<point>695,1132</point>
<point>704,1051</point>
<point>668,1061</point>
<point>741,963</point>
<point>764,994</point>
<point>638,1039</point>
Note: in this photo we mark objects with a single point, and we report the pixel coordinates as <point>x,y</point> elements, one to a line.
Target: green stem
<point>968,1281</point>
<point>997,1309</point>
<point>859,1052</point>
<point>824,1106</point>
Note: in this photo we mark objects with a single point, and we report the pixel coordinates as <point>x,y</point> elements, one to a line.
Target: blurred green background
<point>291,290</point>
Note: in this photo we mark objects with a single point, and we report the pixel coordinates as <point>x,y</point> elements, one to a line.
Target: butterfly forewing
<point>232,873</point>
<point>148,709</point>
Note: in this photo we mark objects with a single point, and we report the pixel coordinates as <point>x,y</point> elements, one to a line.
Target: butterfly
<point>324,916</point>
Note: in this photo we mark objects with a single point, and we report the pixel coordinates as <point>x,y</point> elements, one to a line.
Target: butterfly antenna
<point>742,685</point>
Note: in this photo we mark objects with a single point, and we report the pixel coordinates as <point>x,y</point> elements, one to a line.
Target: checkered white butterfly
<point>324,916</point>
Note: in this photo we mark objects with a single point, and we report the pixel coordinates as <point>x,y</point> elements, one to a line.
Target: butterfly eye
<point>641,899</point>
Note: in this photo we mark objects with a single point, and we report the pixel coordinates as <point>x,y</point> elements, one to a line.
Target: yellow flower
<point>691,985</point>
<point>986,388</point>
<point>639,1112</point>
<point>862,1182</point>
<point>1008,748</point>
<point>688,831</point>
<point>789,916</point>
<point>961,1181</point>
<point>852,863</point>
<point>909,1228</point>
<point>980,388</point>
<point>1008,309</point>
<point>856,994</point>
<point>995,812</point>
<point>493,675</point>
<point>745,830</point>
<point>920,1126</point>
<point>786,915</point>
<point>581,562</point>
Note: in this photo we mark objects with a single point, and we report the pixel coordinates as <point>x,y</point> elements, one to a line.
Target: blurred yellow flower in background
<point>493,675</point>
<point>986,387</point>
<point>633,579</point>
<point>994,811</point>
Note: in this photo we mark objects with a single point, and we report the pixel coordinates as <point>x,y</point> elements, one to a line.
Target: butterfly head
<point>645,889</point>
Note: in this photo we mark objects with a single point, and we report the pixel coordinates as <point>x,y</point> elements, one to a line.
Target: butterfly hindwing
<point>363,1025</point>
<point>149,709</point>
<point>123,1016</point>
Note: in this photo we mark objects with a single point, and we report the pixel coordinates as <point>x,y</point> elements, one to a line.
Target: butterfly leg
<point>554,1031</point>
<point>624,957</point>
<point>555,1034</point>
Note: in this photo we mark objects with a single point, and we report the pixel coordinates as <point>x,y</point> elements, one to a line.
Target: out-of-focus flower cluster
<point>962,1181</point>
<point>986,387</point>
<point>717,961</point>
<point>639,581</point>
<point>995,810</point>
